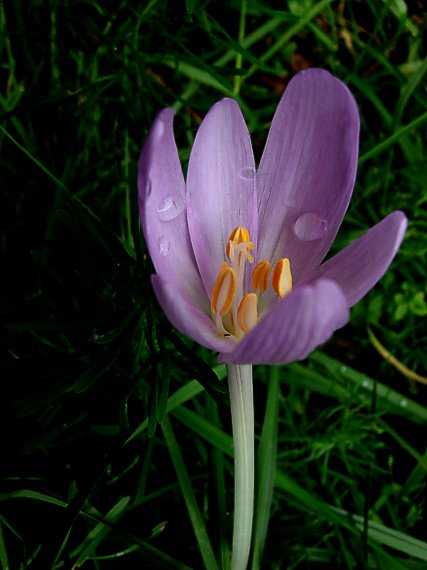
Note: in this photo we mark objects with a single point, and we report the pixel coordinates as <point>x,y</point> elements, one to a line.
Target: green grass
<point>116,446</point>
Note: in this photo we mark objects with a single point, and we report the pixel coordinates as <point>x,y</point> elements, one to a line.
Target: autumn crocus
<point>238,250</point>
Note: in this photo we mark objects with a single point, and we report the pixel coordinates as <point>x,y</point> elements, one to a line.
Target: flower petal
<point>294,327</point>
<point>161,193</point>
<point>361,264</point>
<point>221,187</point>
<point>307,171</point>
<point>186,317</point>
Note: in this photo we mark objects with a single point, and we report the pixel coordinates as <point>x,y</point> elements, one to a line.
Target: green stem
<point>242,416</point>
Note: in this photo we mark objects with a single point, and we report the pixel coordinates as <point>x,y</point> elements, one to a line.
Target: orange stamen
<point>282,278</point>
<point>247,313</point>
<point>260,276</point>
<point>224,290</point>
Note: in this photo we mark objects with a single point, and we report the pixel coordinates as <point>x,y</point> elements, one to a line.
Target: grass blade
<point>189,498</point>
<point>266,466</point>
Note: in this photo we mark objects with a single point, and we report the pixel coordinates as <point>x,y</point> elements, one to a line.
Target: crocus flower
<point>237,250</point>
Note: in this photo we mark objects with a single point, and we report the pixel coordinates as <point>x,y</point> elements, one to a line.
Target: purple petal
<point>307,170</point>
<point>294,327</point>
<point>186,317</point>
<point>221,187</point>
<point>161,193</point>
<point>361,264</point>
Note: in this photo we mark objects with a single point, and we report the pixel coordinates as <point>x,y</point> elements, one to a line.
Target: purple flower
<point>237,250</point>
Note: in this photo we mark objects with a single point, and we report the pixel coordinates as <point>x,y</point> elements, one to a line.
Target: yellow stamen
<point>224,290</point>
<point>239,235</point>
<point>260,276</point>
<point>234,312</point>
<point>247,313</point>
<point>282,277</point>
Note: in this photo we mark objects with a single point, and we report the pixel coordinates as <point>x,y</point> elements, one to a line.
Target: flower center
<point>234,311</point>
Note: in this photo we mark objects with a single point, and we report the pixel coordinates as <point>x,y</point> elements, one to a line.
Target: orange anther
<point>247,313</point>
<point>260,275</point>
<point>224,290</point>
<point>282,278</point>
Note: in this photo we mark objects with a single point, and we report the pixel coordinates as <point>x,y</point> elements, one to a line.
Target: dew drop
<point>164,245</point>
<point>310,226</point>
<point>170,208</point>
<point>403,403</point>
<point>247,173</point>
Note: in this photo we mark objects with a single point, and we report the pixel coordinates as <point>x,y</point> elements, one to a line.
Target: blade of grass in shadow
<point>148,553</point>
<point>410,374</point>
<point>385,561</point>
<point>365,89</point>
<point>182,395</point>
<point>421,459</point>
<point>292,31</point>
<point>266,466</point>
<point>223,441</point>
<point>377,534</point>
<point>32,495</point>
<point>89,545</point>
<point>389,537</point>
<point>33,159</point>
<point>389,141</point>
<point>250,39</point>
<point>189,498</point>
<point>239,58</point>
<point>220,488</point>
<point>3,550</point>
<point>408,90</point>
<point>343,383</point>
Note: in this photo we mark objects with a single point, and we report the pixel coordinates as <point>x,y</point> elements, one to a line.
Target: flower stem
<point>242,416</point>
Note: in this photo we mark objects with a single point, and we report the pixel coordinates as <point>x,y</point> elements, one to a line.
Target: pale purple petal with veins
<point>307,171</point>
<point>221,187</point>
<point>294,327</point>
<point>361,264</point>
<point>161,194</point>
<point>186,317</point>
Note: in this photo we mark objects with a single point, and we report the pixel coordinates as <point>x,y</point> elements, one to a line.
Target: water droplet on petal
<point>148,187</point>
<point>310,226</point>
<point>164,245</point>
<point>247,173</point>
<point>170,208</point>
